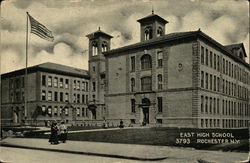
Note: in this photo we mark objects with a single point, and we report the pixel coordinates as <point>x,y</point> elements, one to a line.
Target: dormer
<point>237,50</point>
<point>99,42</point>
<point>152,26</point>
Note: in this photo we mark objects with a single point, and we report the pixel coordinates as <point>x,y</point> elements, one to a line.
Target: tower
<point>152,26</point>
<point>98,42</point>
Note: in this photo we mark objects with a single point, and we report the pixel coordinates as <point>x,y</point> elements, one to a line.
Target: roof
<point>179,36</point>
<point>164,38</point>
<point>98,33</point>
<point>51,68</point>
<point>152,17</point>
<point>231,47</point>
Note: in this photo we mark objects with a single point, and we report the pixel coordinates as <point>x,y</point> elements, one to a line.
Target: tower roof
<point>98,33</point>
<point>152,17</point>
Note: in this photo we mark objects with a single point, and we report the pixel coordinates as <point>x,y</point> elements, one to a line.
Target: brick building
<point>55,92</point>
<point>184,79</point>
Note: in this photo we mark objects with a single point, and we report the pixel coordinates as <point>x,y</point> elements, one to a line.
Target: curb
<point>85,153</point>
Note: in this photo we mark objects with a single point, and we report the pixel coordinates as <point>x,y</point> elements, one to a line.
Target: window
<point>55,96</point>
<point>215,63</point>
<point>78,98</point>
<point>202,79</point>
<point>223,65</point>
<point>83,99</point>
<point>202,104</point>
<point>66,83</point>
<point>159,77</point>
<point>210,105</point>
<point>87,86</point>
<point>44,110</point>
<point>159,32</point>
<point>78,85</point>
<point>43,80</point>
<point>83,86</point>
<point>218,84</point>
<point>49,81</point>
<point>159,102</point>
<point>206,105</point>
<point>49,96</point>
<point>206,80</point>
<point>55,111</point>
<point>133,63</point>
<point>226,68</point>
<point>93,68</point>
<point>132,84</point>
<point>74,84</point>
<point>11,97</point>
<point>206,57</point>
<point>104,46</point>
<point>218,63</point>
<point>17,83</point>
<point>146,62</point>
<point>202,122</point>
<point>211,82</point>
<point>133,105</point>
<point>83,112</point>
<point>66,97</point>
<point>61,83</point>
<point>43,95</point>
<point>202,55</point>
<point>93,86</point>
<point>215,83</point>
<point>49,110</point>
<point>61,96</point>
<point>94,48</point>
<point>211,59</point>
<point>66,111</point>
<point>146,84</point>
<point>78,112</point>
<point>22,82</point>
<point>55,82</point>
<point>17,96</point>
<point>11,84</point>
<point>159,58</point>
<point>214,111</point>
<point>148,33</point>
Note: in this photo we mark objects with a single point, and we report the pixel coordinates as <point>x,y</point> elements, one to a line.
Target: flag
<point>40,30</point>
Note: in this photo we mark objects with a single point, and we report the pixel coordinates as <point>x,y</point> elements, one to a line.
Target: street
<point>18,155</point>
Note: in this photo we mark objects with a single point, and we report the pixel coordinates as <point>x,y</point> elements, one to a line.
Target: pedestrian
<point>63,132</point>
<point>121,124</point>
<point>54,134</point>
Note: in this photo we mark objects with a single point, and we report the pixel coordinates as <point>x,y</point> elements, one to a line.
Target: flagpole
<point>26,69</point>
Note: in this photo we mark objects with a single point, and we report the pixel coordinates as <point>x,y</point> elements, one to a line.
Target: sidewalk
<point>126,151</point>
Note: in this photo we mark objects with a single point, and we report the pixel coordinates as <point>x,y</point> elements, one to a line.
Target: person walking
<point>63,132</point>
<point>54,134</point>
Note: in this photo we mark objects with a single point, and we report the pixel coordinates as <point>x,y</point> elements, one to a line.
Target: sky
<point>226,21</point>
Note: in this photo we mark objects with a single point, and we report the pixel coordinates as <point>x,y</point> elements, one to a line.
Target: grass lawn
<point>159,136</point>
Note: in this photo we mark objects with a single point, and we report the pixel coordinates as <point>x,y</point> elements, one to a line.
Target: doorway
<point>145,111</point>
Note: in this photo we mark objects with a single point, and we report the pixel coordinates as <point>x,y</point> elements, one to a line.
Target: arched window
<point>94,48</point>
<point>104,46</point>
<point>146,62</point>
<point>132,84</point>
<point>159,77</point>
<point>159,32</point>
<point>146,83</point>
<point>148,33</point>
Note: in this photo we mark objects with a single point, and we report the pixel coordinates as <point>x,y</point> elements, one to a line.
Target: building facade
<point>54,92</point>
<point>184,79</point>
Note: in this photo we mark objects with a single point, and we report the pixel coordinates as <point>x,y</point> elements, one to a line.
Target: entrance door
<point>145,115</point>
